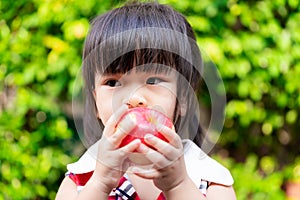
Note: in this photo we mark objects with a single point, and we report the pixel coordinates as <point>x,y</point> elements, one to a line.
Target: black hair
<point>139,34</point>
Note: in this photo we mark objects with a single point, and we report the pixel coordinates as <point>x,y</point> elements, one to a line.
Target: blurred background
<point>255,45</point>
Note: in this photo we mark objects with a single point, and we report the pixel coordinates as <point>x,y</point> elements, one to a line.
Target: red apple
<point>146,121</point>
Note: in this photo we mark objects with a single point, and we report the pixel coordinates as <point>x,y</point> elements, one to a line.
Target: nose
<point>136,100</point>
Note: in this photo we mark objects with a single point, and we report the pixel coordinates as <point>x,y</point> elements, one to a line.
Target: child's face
<point>135,88</point>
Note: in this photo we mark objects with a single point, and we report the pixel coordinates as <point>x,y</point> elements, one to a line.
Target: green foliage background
<point>255,45</point>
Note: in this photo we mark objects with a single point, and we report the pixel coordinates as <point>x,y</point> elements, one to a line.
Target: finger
<point>173,138</point>
<point>130,147</point>
<point>158,159</point>
<point>169,151</point>
<point>123,129</point>
<point>117,156</point>
<point>114,119</point>
<point>147,173</point>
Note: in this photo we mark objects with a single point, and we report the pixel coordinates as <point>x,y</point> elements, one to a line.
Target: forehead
<point>143,45</point>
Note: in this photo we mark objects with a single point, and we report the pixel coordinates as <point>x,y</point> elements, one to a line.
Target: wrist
<point>102,185</point>
<point>102,181</point>
<point>105,179</point>
<point>176,187</point>
<point>185,189</point>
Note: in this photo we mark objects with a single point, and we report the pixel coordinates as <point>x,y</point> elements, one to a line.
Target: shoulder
<point>202,167</point>
<point>86,163</point>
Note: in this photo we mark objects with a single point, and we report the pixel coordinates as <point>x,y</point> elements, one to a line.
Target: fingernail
<point>137,141</point>
<point>149,136</point>
<point>142,147</point>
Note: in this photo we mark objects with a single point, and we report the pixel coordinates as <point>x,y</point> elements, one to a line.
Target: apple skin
<point>146,120</point>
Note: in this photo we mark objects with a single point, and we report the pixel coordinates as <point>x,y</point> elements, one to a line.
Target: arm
<point>68,190</point>
<point>188,190</point>
<point>185,190</point>
<point>215,191</point>
<point>170,173</point>
<point>110,164</point>
<point>103,180</point>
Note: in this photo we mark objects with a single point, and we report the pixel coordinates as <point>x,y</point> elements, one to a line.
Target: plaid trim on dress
<point>124,190</point>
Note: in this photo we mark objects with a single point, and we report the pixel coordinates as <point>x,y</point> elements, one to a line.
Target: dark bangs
<point>135,35</point>
<point>140,47</point>
<point>144,60</point>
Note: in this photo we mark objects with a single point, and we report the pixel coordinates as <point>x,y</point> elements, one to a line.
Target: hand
<point>169,168</point>
<point>112,161</point>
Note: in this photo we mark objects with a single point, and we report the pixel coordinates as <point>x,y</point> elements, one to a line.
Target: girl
<point>143,55</point>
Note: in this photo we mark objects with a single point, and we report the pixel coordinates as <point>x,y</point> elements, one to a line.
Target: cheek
<point>168,106</point>
<point>103,112</point>
<point>104,108</point>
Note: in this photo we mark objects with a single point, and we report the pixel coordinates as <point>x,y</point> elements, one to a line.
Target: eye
<point>112,83</point>
<point>153,80</point>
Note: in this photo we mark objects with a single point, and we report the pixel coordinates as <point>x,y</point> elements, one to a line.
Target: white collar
<point>198,164</point>
<point>202,167</point>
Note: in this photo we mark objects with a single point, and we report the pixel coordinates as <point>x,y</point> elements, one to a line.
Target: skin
<point>168,174</point>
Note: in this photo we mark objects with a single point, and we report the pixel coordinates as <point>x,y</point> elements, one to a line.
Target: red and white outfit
<point>200,167</point>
